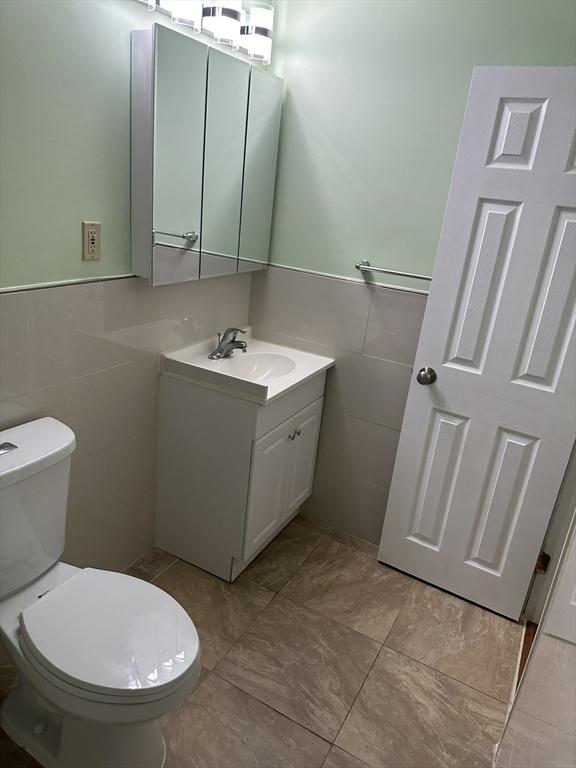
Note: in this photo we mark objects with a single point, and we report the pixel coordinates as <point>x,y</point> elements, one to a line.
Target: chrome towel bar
<point>190,236</point>
<point>364,266</point>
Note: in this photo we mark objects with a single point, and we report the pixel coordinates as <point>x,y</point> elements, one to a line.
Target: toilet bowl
<point>101,656</point>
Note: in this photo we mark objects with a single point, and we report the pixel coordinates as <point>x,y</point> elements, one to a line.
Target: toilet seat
<point>110,637</point>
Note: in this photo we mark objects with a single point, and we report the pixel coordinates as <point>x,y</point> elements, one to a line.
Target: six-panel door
<point>484,448</point>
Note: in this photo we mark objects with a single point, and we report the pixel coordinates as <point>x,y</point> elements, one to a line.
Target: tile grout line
<point>444,674</point>
<point>370,303</point>
<point>176,560</point>
<point>357,695</point>
<point>269,706</point>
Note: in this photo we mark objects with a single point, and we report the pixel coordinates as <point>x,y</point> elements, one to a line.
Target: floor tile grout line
<point>176,560</point>
<point>273,708</point>
<point>356,697</point>
<point>444,674</point>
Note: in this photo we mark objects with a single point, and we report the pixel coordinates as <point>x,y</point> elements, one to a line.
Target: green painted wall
<point>375,96</point>
<point>65,135</point>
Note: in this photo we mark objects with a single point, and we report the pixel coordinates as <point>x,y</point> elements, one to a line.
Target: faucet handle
<point>231,333</point>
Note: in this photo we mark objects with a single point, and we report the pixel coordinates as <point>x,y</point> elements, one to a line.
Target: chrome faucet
<point>227,343</point>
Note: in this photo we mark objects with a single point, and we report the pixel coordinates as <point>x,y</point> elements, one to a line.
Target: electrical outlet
<point>91,240</point>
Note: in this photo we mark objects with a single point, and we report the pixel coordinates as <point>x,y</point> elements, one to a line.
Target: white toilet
<point>101,656</point>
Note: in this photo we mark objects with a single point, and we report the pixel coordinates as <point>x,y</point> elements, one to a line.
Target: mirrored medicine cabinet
<point>205,129</point>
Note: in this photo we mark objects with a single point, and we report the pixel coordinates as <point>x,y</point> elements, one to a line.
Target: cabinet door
<point>302,460</point>
<point>267,494</point>
<point>226,107</point>
<point>262,132</point>
<point>179,99</point>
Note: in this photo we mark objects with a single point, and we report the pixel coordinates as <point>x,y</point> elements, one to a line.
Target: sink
<point>261,374</point>
<point>259,366</point>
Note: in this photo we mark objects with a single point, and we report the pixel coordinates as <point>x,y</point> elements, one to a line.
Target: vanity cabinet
<point>204,138</point>
<point>231,473</point>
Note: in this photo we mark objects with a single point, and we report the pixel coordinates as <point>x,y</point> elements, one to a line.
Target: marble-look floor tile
<point>304,665</point>
<point>151,565</point>
<point>410,716</point>
<point>282,557</point>
<point>220,611</point>
<point>337,758</point>
<point>351,588</point>
<point>220,726</point>
<point>460,639</point>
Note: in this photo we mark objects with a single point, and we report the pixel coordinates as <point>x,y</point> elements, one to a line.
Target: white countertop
<point>261,374</point>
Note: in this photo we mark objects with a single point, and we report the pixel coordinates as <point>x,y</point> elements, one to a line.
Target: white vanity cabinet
<point>231,472</point>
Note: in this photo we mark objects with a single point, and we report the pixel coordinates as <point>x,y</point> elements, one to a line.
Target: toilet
<point>101,656</point>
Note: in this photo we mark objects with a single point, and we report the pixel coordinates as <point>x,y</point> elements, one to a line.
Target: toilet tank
<point>34,475</point>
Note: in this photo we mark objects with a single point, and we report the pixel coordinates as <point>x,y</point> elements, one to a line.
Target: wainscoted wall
<point>87,354</point>
<point>373,334</point>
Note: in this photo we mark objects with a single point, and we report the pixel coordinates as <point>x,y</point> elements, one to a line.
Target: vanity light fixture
<point>221,19</point>
<point>187,12</point>
<point>256,32</point>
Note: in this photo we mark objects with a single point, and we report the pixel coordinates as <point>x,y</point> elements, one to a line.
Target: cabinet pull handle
<point>292,436</point>
<point>298,432</point>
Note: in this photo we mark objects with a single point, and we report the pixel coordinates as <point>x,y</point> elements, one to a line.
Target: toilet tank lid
<point>39,445</point>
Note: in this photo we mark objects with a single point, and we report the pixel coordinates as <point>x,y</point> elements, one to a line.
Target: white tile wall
<point>87,354</point>
<point>373,334</point>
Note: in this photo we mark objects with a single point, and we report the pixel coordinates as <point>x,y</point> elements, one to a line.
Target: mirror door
<point>226,107</point>
<point>179,105</point>
<point>263,127</point>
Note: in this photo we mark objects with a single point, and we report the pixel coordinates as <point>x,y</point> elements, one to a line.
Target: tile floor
<point>320,657</point>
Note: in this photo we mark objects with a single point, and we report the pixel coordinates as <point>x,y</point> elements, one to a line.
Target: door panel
<point>306,428</point>
<point>483,450</point>
<point>445,439</point>
<point>267,494</point>
<point>551,320</point>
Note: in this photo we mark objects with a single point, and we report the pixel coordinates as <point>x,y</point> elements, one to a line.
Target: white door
<point>561,618</point>
<point>304,441</point>
<point>483,449</point>
<point>267,494</point>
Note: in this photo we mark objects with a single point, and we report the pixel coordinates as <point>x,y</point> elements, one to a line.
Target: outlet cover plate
<point>91,240</point>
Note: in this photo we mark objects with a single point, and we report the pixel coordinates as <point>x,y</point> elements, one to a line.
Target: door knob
<point>426,375</point>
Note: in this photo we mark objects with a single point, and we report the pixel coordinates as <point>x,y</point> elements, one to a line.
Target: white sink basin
<point>261,374</point>
<point>259,366</point>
